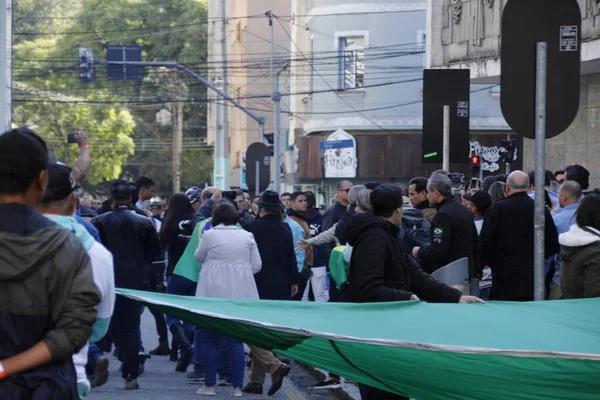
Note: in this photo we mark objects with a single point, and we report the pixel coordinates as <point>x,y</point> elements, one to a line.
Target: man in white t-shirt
<point>59,205</point>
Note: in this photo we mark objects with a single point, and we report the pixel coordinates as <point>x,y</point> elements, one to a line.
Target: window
<point>352,62</point>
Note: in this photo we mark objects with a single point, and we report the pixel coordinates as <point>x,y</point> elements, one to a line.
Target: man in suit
<point>277,280</point>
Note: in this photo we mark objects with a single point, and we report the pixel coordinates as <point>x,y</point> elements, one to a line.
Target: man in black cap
<point>277,280</point>
<point>59,205</point>
<point>134,243</point>
<point>381,270</point>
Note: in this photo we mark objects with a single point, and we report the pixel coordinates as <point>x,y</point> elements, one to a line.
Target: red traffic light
<point>475,160</point>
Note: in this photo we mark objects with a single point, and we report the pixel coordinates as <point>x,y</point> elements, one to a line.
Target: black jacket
<point>134,244</point>
<point>276,247</point>
<point>453,236</point>
<point>382,271</point>
<point>246,219</point>
<point>508,246</point>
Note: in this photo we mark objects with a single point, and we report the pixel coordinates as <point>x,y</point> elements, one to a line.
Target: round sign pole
<point>540,169</point>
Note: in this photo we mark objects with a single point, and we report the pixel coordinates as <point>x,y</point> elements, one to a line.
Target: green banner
<point>499,350</point>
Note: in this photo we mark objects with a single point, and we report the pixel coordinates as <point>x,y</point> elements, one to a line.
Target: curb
<point>348,391</point>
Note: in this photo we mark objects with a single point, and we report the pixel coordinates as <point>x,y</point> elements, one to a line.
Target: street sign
<point>124,72</point>
<point>446,87</point>
<point>336,144</point>
<point>525,23</point>
<point>258,167</point>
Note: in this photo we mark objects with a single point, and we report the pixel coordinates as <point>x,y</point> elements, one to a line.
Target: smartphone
<point>72,138</point>
<point>229,194</point>
<point>473,184</point>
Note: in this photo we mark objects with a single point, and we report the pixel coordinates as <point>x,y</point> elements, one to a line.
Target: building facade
<point>361,67</point>
<point>466,34</point>
<point>248,58</point>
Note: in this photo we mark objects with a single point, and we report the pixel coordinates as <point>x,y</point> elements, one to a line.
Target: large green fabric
<point>499,350</point>
<point>187,266</point>
<point>338,269</point>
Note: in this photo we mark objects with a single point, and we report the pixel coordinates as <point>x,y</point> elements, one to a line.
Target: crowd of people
<point>61,257</point>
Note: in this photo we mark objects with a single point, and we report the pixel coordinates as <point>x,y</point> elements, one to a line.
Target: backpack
<point>415,229</point>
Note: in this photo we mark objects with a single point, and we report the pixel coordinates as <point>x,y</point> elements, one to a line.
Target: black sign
<point>524,23</point>
<point>258,156</point>
<point>124,72</point>
<point>446,87</point>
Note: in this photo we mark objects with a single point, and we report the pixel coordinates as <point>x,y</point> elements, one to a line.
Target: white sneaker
<point>237,392</point>
<point>206,391</point>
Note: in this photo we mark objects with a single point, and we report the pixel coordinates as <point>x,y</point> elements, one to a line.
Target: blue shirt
<point>297,234</point>
<point>563,221</point>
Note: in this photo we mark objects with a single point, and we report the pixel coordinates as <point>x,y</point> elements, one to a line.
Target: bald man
<point>507,241</point>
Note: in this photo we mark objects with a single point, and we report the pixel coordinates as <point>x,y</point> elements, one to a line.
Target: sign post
<point>446,156</point>
<point>446,97</point>
<point>258,167</point>
<point>541,102</point>
<point>540,167</point>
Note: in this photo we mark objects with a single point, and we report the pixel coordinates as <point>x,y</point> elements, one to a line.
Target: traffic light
<point>270,138</point>
<point>475,166</point>
<point>87,72</point>
<point>508,156</point>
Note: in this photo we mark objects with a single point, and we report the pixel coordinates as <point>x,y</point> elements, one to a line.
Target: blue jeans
<point>211,345</point>
<point>94,353</point>
<point>183,287</point>
<point>223,363</point>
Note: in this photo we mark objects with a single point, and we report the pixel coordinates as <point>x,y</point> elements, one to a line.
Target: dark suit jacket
<point>276,247</point>
<point>508,246</point>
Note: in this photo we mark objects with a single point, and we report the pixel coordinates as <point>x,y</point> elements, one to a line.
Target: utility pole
<point>5,65</point>
<point>446,142</point>
<point>276,96</point>
<point>177,147</point>
<point>221,167</point>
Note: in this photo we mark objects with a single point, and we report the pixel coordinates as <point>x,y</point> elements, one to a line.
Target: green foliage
<point>49,96</point>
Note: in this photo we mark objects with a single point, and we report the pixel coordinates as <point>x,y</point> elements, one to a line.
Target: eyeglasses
<point>344,190</point>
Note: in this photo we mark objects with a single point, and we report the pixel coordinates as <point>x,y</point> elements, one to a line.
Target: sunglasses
<point>344,190</point>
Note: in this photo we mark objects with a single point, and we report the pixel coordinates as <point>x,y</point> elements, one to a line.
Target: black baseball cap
<point>60,183</point>
<point>480,199</point>
<point>386,198</point>
<point>120,190</point>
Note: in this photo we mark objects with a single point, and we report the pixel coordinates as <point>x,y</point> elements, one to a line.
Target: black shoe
<point>161,350</point>
<point>277,379</point>
<point>100,372</point>
<point>131,384</point>
<point>194,377</point>
<point>185,359</point>
<point>253,388</point>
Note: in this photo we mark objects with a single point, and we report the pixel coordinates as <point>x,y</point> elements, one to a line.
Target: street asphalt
<point>160,381</point>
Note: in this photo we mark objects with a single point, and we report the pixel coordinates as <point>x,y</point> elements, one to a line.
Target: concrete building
<point>466,34</point>
<point>361,65</point>
<point>248,73</point>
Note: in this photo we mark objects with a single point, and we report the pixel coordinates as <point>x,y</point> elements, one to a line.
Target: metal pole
<point>177,142</point>
<point>6,66</point>
<point>224,52</point>
<point>257,178</point>
<point>540,155</point>
<point>276,96</point>
<point>507,172</point>
<point>261,131</point>
<point>446,148</point>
